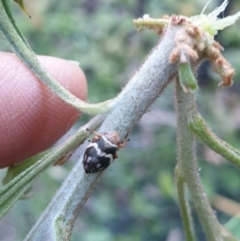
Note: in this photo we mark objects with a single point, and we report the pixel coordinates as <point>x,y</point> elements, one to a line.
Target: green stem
<point>150,23</point>
<point>6,4</point>
<point>18,45</point>
<point>187,164</point>
<point>187,78</point>
<point>13,190</point>
<point>200,129</point>
<point>184,207</point>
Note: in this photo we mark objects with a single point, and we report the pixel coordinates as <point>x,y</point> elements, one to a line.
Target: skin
<point>32,118</point>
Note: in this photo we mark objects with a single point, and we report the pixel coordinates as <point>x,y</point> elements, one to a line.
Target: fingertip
<point>67,73</point>
<point>33,118</point>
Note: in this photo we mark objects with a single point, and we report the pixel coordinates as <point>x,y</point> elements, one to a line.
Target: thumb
<point>32,117</point>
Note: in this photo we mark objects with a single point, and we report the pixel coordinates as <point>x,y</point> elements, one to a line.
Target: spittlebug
<point>102,151</point>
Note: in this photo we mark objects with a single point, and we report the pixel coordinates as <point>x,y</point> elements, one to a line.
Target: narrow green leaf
<point>21,5</point>
<point>34,166</point>
<point>18,44</point>
<point>17,169</point>
<point>7,7</point>
<point>198,126</point>
<point>187,79</point>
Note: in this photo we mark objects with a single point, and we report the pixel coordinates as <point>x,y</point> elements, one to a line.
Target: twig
<point>135,99</point>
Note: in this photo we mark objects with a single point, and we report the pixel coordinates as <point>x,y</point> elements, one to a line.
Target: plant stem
<point>200,129</point>
<point>150,23</point>
<point>184,207</point>
<point>12,191</point>
<point>133,102</point>
<point>7,6</point>
<point>16,42</point>
<point>187,164</point>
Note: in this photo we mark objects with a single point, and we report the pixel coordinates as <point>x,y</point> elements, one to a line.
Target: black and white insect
<point>101,151</point>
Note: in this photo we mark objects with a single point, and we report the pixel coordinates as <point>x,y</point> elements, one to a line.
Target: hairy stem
<point>140,92</point>
<point>18,45</point>
<point>184,206</point>
<point>187,164</point>
<point>6,4</point>
<point>198,126</point>
<point>13,190</point>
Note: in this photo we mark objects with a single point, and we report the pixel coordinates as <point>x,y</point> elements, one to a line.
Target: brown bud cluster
<point>192,42</point>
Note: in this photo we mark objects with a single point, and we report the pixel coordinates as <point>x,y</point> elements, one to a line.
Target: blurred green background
<point>136,198</point>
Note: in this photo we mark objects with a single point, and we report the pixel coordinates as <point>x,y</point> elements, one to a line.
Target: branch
<point>26,172</point>
<point>57,221</point>
<point>17,43</point>
<point>188,168</point>
<point>204,133</point>
<point>133,102</point>
<point>184,206</point>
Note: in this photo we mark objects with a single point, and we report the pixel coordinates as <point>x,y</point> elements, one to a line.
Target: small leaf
<point>21,5</point>
<point>187,79</point>
<point>15,170</point>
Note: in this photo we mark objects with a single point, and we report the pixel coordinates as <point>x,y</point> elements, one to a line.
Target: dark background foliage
<point>136,198</point>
